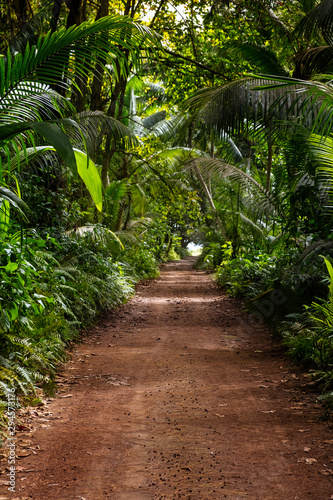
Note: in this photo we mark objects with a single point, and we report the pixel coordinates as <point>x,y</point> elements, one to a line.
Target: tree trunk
<point>269,166</point>
<point>55,14</point>
<point>76,16</point>
<point>21,8</point>
<point>96,88</point>
<point>77,12</point>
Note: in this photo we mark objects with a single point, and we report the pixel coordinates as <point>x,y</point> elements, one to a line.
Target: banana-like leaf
<point>330,271</point>
<point>4,217</point>
<point>89,174</point>
<point>82,165</point>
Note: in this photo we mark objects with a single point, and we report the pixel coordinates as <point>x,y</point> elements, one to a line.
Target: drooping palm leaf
<point>153,119</point>
<point>309,102</point>
<point>14,200</point>
<point>51,132</point>
<point>212,166</point>
<point>234,106</point>
<point>87,126</point>
<point>31,100</point>
<point>261,57</point>
<point>71,52</point>
<point>319,19</point>
<point>315,60</point>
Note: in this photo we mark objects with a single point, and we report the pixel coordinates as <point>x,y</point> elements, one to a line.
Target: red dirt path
<point>177,394</point>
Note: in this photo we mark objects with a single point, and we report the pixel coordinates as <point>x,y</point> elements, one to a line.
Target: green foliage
<point>49,291</point>
<point>310,338</point>
<point>245,171</point>
<point>249,275</point>
<point>143,261</point>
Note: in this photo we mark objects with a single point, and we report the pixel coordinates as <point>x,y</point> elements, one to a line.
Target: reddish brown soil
<point>177,394</point>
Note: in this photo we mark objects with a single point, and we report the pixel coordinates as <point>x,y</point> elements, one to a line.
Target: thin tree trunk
<point>96,89</point>
<point>109,149</point>
<point>55,14</point>
<point>158,10</point>
<point>76,16</point>
<point>77,12</point>
<point>269,166</point>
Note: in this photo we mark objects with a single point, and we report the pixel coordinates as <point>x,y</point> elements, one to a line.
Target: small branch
<point>196,63</point>
<point>162,2</point>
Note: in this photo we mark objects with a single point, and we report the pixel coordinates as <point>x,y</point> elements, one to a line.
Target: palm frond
<point>319,19</point>
<point>234,106</point>
<point>14,200</point>
<point>261,57</point>
<point>210,166</point>
<point>30,100</point>
<point>315,60</point>
<point>152,120</point>
<point>66,54</point>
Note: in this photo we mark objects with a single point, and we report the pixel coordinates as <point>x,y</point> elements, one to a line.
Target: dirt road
<point>177,395</point>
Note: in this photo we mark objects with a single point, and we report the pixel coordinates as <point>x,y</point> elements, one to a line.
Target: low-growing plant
<point>248,275</point>
<point>310,338</point>
<point>49,291</point>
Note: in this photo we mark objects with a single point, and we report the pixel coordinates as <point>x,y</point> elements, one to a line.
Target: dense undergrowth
<point>50,291</point>
<point>293,295</point>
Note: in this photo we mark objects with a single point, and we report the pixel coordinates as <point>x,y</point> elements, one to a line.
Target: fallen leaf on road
<point>327,472</point>
<point>308,461</point>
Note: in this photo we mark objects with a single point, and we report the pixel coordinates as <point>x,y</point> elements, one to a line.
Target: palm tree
<point>29,107</point>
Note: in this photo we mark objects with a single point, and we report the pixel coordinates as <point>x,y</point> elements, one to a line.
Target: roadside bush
<point>142,261</point>
<point>49,291</point>
<point>212,255</point>
<point>250,274</point>
<point>309,337</point>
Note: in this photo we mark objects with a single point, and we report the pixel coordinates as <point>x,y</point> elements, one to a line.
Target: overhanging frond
<point>231,108</point>
<point>319,19</point>
<point>261,57</point>
<point>61,56</point>
<point>214,167</point>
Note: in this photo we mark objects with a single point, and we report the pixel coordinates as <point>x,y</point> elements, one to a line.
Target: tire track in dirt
<point>178,395</point>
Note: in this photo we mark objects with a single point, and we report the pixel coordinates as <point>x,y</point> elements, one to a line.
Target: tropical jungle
<point>130,131</point>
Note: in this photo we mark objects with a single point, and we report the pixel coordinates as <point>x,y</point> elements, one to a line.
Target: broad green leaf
<point>330,270</point>
<point>4,217</point>
<point>13,311</point>
<point>89,174</point>
<point>11,267</point>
